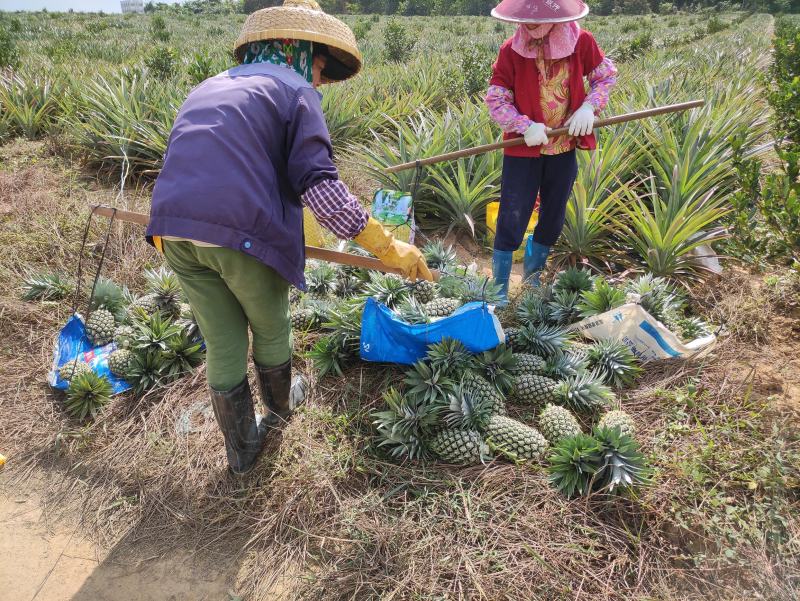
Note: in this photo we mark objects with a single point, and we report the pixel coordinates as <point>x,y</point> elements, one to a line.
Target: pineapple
<point>294,296</point>
<point>424,291</point>
<point>603,297</point>
<point>574,463</point>
<point>622,464</point>
<point>123,336</point>
<point>143,307</point>
<point>163,285</point>
<point>412,312</point>
<point>584,392</point>
<point>619,420</point>
<point>388,289</point>
<point>563,309</point>
<point>534,390</point>
<point>46,287</point>
<point>463,447</point>
<point>153,334</point>
<point>529,364</point>
<point>439,257</point>
<point>514,439</point>
<point>100,327</point>
<point>72,369</point>
<point>321,281</point>
<point>304,319</point>
<point>449,355</point>
<point>614,361</point>
<point>544,340</point>
<point>483,389</point>
<point>557,423</point>
<point>87,394</point>
<point>512,337</point>
<point>442,307</point>
<point>574,280</point>
<point>120,362</point>
<point>497,366</point>
<point>186,312</point>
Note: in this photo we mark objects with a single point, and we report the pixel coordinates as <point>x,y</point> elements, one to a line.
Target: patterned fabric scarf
<point>556,43</point>
<point>292,54</point>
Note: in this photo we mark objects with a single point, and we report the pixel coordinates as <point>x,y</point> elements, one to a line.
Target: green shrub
<point>784,84</point>
<point>158,29</point>
<point>9,54</point>
<point>476,67</point>
<point>715,25</point>
<point>397,42</point>
<point>361,28</point>
<point>162,62</point>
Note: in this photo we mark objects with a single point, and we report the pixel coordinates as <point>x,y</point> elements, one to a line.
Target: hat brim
<point>568,19</point>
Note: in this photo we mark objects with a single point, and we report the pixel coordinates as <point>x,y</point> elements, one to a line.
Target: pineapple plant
<point>154,333</point>
<point>498,366</point>
<point>530,364</point>
<point>603,297</point>
<point>614,361</point>
<point>46,286</point>
<point>619,420</point>
<point>321,281</point>
<point>437,256</point>
<point>544,340</point>
<point>412,312</point>
<point>557,423</point>
<point>574,280</point>
<point>120,362</point>
<point>182,356</point>
<point>87,394</point>
<point>563,309</point>
<point>622,464</point>
<point>165,290</point>
<point>450,356</point>
<point>692,327</point>
<point>332,353</point>
<point>423,291</point>
<point>657,297</point>
<point>573,464</point>
<point>583,392</point>
<point>442,307</point>
<point>73,368</point>
<point>515,440</point>
<point>463,447</point>
<point>100,327</point>
<point>429,381</point>
<point>534,390</point>
<point>147,370</point>
<point>405,425</point>
<point>387,288</point>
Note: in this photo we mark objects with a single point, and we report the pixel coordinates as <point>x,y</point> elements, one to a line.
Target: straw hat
<point>304,20</point>
<point>540,11</point>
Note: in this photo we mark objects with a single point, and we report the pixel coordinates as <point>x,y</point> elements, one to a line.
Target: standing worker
<point>537,84</point>
<point>250,148</point>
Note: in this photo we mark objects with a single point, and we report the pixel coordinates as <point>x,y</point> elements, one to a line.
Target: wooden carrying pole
<point>450,156</point>
<point>312,252</point>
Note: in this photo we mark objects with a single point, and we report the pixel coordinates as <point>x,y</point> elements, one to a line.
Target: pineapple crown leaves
<point>657,296</point>
<point>429,382</point>
<point>544,340</point>
<point>497,365</point>
<point>603,297</point>
<point>164,284</point>
<point>583,392</point>
<point>405,424</point>
<point>322,279</point>
<point>343,317</point>
<point>388,289</point>
<point>87,394</point>
<point>332,353</point>
<point>614,362</point>
<point>148,371</point>
<point>437,256</point>
<point>412,312</point>
<point>466,409</point>
<point>623,466</point>
<point>574,464</point>
<point>449,355</point>
<point>183,354</point>
<point>154,333</point>
<point>563,309</point>
<point>46,286</point>
<point>564,365</point>
<point>574,280</point>
<point>108,295</point>
<point>532,309</point>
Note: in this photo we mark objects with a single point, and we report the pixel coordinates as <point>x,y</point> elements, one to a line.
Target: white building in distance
<point>132,6</point>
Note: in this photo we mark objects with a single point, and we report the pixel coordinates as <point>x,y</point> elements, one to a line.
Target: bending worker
<point>250,148</point>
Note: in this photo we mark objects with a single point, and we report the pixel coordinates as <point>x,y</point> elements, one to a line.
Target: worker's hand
<point>394,253</point>
<point>582,121</point>
<point>536,134</point>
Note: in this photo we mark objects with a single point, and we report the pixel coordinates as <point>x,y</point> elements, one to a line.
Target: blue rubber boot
<point>501,270</point>
<point>534,261</point>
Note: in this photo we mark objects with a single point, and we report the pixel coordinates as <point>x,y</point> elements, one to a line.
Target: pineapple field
<point>553,466</point>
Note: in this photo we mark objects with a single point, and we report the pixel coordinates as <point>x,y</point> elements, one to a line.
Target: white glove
<point>582,121</point>
<point>536,134</point>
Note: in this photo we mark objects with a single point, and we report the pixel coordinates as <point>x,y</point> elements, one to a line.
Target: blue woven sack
<point>386,338</point>
<point>72,342</point>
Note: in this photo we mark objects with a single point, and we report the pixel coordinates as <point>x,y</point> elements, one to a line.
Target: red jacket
<point>521,76</point>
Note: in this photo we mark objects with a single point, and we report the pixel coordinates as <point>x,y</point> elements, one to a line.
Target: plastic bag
<point>647,337</point>
<point>394,210</point>
<point>71,343</point>
<point>386,338</point>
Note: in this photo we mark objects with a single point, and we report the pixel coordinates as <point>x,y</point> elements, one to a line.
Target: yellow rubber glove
<point>394,253</point>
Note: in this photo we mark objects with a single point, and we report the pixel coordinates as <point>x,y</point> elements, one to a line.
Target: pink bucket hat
<point>540,11</point>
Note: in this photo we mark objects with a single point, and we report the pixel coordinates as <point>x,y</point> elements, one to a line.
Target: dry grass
<point>327,515</point>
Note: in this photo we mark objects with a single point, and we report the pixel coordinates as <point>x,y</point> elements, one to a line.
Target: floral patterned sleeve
<point>601,80</point>
<point>500,101</point>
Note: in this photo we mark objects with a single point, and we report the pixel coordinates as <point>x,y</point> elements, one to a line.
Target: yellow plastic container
<point>492,210</point>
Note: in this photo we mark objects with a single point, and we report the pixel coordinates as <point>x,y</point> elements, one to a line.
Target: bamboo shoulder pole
<point>312,252</point>
<point>458,154</point>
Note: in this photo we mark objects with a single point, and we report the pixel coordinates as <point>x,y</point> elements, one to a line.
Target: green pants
<point>229,291</point>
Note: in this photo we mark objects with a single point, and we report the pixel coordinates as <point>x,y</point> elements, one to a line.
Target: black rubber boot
<point>279,392</point>
<point>244,433</point>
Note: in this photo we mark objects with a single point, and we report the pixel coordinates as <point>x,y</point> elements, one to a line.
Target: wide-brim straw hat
<point>540,11</point>
<point>304,20</point>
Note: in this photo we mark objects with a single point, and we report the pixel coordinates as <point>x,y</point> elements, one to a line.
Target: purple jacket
<point>245,146</point>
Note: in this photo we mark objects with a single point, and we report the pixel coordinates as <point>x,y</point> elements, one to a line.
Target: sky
<point>109,6</point>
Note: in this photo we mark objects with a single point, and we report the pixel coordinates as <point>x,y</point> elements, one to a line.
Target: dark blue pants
<point>552,177</point>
